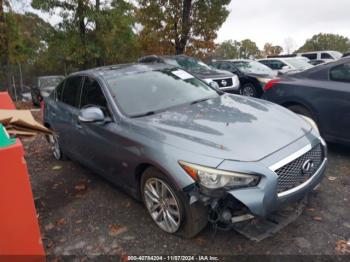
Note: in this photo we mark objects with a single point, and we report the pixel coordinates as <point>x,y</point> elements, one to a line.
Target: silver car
<point>191,153</point>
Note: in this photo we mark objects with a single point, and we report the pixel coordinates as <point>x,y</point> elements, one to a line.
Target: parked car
<point>346,54</point>
<point>45,85</point>
<point>317,55</point>
<point>252,75</point>
<point>321,93</point>
<point>319,61</point>
<point>286,65</point>
<point>223,80</point>
<point>187,150</point>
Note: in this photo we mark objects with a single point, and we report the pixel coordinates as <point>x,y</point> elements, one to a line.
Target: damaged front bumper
<point>262,203</point>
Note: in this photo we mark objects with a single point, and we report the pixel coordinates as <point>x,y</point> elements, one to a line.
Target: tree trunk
<point>185,27</point>
<point>99,60</point>
<point>82,30</point>
<point>3,36</point>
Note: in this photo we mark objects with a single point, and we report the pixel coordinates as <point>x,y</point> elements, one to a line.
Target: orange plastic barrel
<point>6,101</point>
<point>20,238</point>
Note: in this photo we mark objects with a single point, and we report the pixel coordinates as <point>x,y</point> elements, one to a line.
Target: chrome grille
<point>292,174</point>
<point>220,82</point>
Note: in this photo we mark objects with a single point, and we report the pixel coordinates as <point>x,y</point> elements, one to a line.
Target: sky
<point>276,21</point>
<point>288,23</point>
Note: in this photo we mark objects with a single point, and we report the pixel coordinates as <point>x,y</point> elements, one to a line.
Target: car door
<point>339,100</point>
<point>65,113</point>
<point>99,142</point>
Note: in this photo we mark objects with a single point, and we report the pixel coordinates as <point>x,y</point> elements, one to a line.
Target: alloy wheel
<point>162,205</point>
<point>248,90</point>
<point>55,147</point>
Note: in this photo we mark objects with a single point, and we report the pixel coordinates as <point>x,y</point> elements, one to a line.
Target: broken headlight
<point>215,178</point>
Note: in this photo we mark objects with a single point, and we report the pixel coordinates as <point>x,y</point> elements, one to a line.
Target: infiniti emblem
<point>224,82</point>
<point>308,165</point>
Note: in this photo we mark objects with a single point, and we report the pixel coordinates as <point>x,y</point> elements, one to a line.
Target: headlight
<point>235,81</point>
<point>214,178</point>
<point>214,85</point>
<point>311,122</point>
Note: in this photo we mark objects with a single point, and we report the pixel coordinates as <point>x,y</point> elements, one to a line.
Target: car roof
<point>236,60</point>
<point>123,69</point>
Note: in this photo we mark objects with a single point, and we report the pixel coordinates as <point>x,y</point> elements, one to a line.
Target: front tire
<point>249,90</point>
<point>168,207</point>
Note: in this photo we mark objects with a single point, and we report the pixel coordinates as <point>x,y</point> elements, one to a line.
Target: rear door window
<point>311,56</point>
<point>326,56</point>
<point>341,73</point>
<point>71,91</point>
<point>59,91</point>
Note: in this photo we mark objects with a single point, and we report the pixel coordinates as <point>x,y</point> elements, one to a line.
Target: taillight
<point>271,83</point>
<point>42,108</point>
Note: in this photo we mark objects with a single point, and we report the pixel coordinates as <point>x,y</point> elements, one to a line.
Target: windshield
<point>188,63</point>
<point>253,67</point>
<point>299,63</point>
<point>336,54</point>
<point>50,81</point>
<point>147,92</point>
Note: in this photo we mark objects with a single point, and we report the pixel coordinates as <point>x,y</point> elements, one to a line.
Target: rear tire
<point>173,203</point>
<point>55,147</point>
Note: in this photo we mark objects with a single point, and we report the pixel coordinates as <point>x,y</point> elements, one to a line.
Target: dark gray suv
<point>189,152</point>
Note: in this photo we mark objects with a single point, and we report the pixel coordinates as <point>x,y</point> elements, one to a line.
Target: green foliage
<point>227,50</point>
<point>245,49</point>
<point>271,50</point>
<point>90,36</point>
<point>326,42</point>
<point>172,26</point>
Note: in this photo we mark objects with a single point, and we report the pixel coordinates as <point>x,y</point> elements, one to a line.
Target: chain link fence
<point>18,79</point>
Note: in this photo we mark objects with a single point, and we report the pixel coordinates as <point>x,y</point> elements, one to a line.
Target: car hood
<point>228,127</point>
<point>210,73</point>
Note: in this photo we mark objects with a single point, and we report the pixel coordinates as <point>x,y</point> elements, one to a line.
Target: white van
<point>318,55</point>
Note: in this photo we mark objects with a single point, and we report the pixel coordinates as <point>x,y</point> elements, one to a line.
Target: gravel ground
<point>82,214</point>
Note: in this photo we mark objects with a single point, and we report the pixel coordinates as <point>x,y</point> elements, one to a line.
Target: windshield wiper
<point>144,114</point>
<point>200,100</point>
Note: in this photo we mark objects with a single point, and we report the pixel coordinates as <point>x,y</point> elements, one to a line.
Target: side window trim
<point>79,88</point>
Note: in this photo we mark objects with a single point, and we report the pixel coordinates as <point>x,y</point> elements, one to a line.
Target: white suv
<point>317,55</point>
<point>285,65</point>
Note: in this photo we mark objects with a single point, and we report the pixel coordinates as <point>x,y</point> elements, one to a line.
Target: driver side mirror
<point>91,115</point>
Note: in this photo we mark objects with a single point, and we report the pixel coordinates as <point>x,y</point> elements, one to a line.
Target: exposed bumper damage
<point>255,212</point>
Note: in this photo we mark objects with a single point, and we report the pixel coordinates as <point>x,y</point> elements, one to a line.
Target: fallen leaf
<point>80,187</point>
<point>115,230</point>
<point>317,218</point>
<point>57,168</point>
<point>49,227</point>
<point>343,247</point>
<point>63,240</point>
<point>128,204</point>
<point>200,240</point>
<point>311,209</point>
<point>49,244</point>
<point>61,222</point>
<point>331,178</point>
<point>78,221</point>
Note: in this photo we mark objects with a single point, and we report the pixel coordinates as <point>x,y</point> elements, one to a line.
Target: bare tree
<point>289,45</point>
